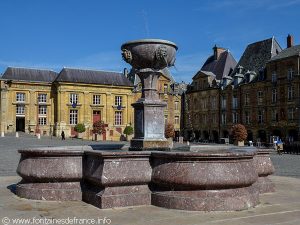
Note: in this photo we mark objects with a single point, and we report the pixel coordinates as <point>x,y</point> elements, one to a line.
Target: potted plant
<point>239,134</point>
<point>128,131</point>
<point>98,128</point>
<point>80,129</point>
<point>170,133</point>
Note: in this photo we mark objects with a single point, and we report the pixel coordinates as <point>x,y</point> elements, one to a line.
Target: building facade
<point>202,111</point>
<point>43,101</point>
<point>46,102</point>
<point>262,93</point>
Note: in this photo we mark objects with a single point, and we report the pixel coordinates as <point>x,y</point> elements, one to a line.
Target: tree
<point>99,127</point>
<point>169,130</point>
<point>239,132</point>
<point>128,131</point>
<point>80,128</point>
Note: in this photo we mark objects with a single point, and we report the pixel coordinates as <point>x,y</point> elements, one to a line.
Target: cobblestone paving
<point>9,145</point>
<point>285,165</point>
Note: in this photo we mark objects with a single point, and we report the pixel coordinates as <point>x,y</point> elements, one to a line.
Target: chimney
<point>125,72</point>
<point>218,51</point>
<point>289,41</point>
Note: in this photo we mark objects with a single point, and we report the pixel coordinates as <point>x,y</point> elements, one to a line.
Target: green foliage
<point>239,132</point>
<point>80,128</point>
<point>169,130</point>
<point>99,127</point>
<point>128,130</point>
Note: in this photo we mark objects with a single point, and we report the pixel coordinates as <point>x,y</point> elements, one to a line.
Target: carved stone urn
<point>149,57</point>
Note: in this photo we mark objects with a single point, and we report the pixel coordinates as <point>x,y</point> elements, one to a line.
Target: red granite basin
<point>51,164</point>
<point>204,170</point>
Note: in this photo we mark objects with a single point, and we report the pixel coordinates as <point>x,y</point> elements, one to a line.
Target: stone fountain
<point>148,57</point>
<point>209,179</point>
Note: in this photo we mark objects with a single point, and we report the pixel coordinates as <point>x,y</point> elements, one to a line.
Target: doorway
<point>20,124</point>
<point>96,116</point>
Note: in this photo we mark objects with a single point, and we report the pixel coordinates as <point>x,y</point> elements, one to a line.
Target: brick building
<point>202,117</point>
<point>262,92</point>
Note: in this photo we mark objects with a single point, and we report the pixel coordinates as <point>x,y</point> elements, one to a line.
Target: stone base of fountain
<point>64,191</point>
<point>219,180</point>
<point>149,145</point>
<point>207,200</point>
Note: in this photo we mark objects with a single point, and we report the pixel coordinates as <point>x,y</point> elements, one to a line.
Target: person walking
<point>63,135</point>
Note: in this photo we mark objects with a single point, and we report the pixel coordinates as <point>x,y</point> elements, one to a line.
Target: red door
<point>96,116</point>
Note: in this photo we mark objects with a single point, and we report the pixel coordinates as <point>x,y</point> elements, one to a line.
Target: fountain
<point>148,57</point>
<point>209,179</point>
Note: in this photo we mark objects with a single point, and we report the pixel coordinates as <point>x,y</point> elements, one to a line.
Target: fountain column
<point>148,57</point>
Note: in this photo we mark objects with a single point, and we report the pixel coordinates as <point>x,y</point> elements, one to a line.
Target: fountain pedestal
<point>149,57</point>
<point>148,115</point>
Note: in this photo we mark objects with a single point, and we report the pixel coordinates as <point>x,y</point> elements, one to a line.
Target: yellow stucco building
<point>46,102</point>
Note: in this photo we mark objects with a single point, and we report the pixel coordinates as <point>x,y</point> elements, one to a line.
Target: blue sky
<point>88,34</point>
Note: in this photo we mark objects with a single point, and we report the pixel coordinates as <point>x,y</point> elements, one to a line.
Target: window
<point>42,121</point>
<point>214,118</point>
<point>223,118</point>
<point>213,102</point>
<point>176,119</point>
<point>118,100</point>
<point>176,104</point>
<point>42,98</point>
<point>118,118</point>
<point>96,99</point>
<point>42,109</point>
<point>234,117</point>
<point>247,100</point>
<point>259,97</point>
<point>274,115</point>
<point>274,95</point>
<point>290,114</point>
<point>204,102</point>
<point>165,88</point>
<point>260,116</point>
<point>223,102</point>
<point>166,119</point>
<point>247,117</point>
<point>290,92</point>
<point>20,97</point>
<point>165,101</point>
<point>73,98</point>
<point>73,117</point>
<point>290,74</point>
<point>204,119</point>
<point>274,77</point>
<point>234,102</point>
<point>20,110</point>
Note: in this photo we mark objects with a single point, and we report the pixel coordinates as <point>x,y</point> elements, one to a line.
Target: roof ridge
<point>91,69</point>
<point>30,68</point>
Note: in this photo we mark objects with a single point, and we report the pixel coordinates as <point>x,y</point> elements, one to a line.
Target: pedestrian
<point>63,135</point>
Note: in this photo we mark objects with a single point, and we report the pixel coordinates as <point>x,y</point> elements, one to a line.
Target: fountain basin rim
<point>149,41</point>
<point>51,152</point>
<point>205,155</point>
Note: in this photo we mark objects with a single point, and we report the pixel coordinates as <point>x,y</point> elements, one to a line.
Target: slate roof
<point>28,74</point>
<point>258,54</point>
<point>288,52</point>
<point>92,77</point>
<point>221,66</point>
